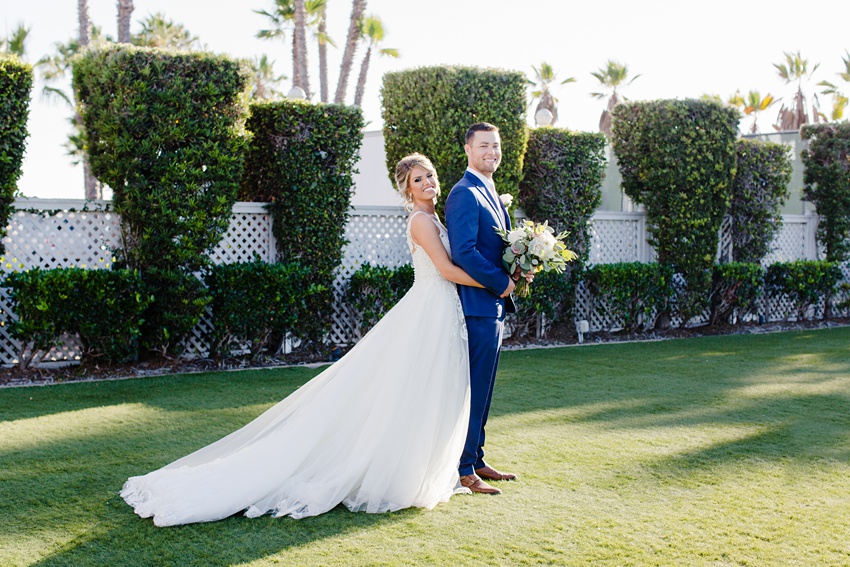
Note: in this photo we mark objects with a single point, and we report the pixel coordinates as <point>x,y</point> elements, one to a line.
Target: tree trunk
<point>125,12</point>
<point>357,9</point>
<point>323,55</point>
<point>85,22</point>
<point>361,81</point>
<point>299,48</point>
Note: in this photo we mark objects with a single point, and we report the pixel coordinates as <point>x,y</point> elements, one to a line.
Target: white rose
<point>506,199</point>
<point>516,234</point>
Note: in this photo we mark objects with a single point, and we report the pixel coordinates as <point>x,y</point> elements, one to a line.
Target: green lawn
<point>713,451</point>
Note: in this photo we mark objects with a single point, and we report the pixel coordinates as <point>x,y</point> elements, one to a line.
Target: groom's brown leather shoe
<point>475,484</point>
<point>490,473</point>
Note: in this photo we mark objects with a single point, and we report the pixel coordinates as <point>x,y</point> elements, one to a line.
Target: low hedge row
<point>254,307</point>
<point>632,293</point>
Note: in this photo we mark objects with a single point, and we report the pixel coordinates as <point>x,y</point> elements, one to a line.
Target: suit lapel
<point>497,210</point>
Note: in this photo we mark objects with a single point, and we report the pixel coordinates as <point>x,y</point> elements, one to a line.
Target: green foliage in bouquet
<point>15,87</point>
<point>632,293</point>
<point>374,290</point>
<point>677,157</point>
<point>301,160</point>
<point>103,308</point>
<point>805,282</point>
<point>736,288</point>
<point>255,305</point>
<point>827,184</point>
<point>759,189</point>
<point>429,109</point>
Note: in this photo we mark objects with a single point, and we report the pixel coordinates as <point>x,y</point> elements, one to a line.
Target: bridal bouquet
<point>532,248</point>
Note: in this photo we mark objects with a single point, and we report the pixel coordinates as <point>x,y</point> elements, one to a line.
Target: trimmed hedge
<point>827,184</point>
<point>165,130</point>
<point>551,295</point>
<point>15,87</point>
<point>103,308</point>
<point>736,288</point>
<point>428,110</point>
<point>255,304</point>
<point>302,160</point>
<point>562,180</point>
<point>631,292</point>
<point>804,282</point>
<point>677,157</point>
<point>759,189</point>
<point>374,290</point>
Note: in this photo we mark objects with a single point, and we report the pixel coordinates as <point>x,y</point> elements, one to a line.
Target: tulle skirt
<point>380,430</point>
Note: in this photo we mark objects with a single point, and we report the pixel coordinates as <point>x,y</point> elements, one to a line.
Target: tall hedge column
<point>165,131</point>
<point>15,87</point>
<point>301,159</point>
<point>562,177</point>
<point>677,158</point>
<point>429,110</point>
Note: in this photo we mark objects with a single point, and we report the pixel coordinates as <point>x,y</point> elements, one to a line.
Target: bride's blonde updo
<point>402,176</point>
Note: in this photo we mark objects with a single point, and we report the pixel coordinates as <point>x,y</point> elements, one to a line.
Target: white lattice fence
<point>376,235</point>
<point>54,233</point>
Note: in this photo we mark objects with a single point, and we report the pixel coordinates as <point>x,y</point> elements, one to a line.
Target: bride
<point>380,430</point>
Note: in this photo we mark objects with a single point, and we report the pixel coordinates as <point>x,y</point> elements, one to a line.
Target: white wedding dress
<point>381,429</point>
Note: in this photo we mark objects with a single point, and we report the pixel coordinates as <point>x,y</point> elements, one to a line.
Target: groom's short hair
<point>479,127</point>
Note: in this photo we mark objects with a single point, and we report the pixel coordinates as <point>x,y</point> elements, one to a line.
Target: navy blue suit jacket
<point>471,215</point>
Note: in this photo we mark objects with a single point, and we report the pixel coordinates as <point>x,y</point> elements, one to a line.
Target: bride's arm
<point>426,234</point>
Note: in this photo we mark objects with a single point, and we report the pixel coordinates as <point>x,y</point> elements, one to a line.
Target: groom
<point>473,212</point>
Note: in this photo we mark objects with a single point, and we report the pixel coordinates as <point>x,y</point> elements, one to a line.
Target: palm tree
<point>324,40</point>
<point>296,14</point>
<point>752,104</point>
<point>15,44</point>
<point>265,81</point>
<point>158,31</point>
<point>839,100</point>
<point>371,30</point>
<point>125,13</point>
<point>795,68</point>
<point>85,22</point>
<point>358,7</point>
<point>545,76</point>
<point>612,77</point>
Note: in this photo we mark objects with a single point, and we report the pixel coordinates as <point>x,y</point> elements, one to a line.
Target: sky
<point>680,49</point>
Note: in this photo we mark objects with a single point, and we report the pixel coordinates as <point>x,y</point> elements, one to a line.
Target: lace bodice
<point>423,267</point>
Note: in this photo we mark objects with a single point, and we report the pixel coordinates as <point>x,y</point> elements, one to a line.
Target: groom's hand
<point>510,289</point>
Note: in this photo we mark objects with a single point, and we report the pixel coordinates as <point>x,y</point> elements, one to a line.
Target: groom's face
<point>484,152</point>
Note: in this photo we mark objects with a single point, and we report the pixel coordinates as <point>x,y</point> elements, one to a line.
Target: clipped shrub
<point>103,308</point>
<point>15,87</point>
<point>735,291</point>
<point>551,296</point>
<point>374,290</point>
<point>562,179</point>
<point>759,189</point>
<point>630,292</point>
<point>254,304</point>
<point>677,158</point>
<point>805,283</point>
<point>179,302</point>
<point>826,181</point>
<point>302,160</point>
<point>165,130</point>
<point>429,110</point>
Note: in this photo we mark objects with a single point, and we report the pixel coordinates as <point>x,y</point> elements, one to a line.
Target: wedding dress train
<point>381,429</point>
